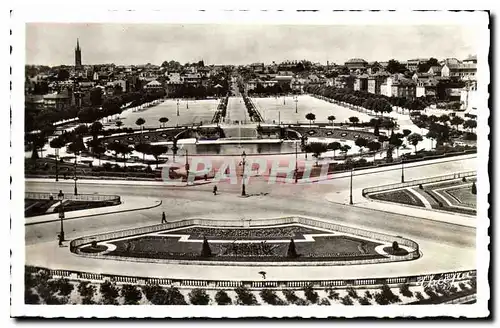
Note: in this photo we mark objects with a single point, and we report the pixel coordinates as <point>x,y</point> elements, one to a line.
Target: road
<point>444,246</point>
<point>236,110</point>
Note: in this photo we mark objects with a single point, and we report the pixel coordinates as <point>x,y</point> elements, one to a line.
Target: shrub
<point>270,297</point>
<point>364,301</point>
<point>87,292</point>
<point>109,293</point>
<point>290,296</point>
<point>352,292</point>
<point>473,188</point>
<point>222,298</point>
<point>292,252</point>
<point>205,250</point>
<point>462,286</point>
<point>419,296</point>
<point>245,296</point>
<point>387,294</point>
<point>131,294</point>
<point>174,297</point>
<point>346,300</point>
<point>324,301</point>
<point>333,295</point>
<point>368,295</point>
<point>420,186</point>
<point>198,297</point>
<point>464,179</point>
<point>404,290</point>
<point>395,246</point>
<point>310,294</point>
<point>430,292</point>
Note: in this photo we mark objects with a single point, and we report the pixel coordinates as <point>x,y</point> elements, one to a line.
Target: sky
<point>132,44</point>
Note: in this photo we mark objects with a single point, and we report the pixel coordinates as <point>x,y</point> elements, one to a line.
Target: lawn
<point>402,196</point>
<point>263,247</point>
<point>272,108</point>
<point>192,111</point>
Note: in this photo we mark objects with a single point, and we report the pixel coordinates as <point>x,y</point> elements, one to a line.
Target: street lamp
<point>60,197</point>
<point>186,166</point>
<point>296,167</point>
<point>75,178</point>
<point>296,101</point>
<point>57,164</point>
<point>177,107</point>
<point>402,169</point>
<point>350,188</point>
<point>243,162</point>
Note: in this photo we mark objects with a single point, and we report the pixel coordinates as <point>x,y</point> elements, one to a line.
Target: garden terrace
<point>158,135</point>
<point>325,132</point>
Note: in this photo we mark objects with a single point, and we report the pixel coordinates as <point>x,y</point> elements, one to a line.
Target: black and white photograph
<point>252,163</point>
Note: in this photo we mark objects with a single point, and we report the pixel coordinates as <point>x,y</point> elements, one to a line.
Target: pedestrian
<point>215,190</point>
<point>163,218</point>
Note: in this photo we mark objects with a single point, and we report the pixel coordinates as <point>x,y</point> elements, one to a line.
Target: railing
<point>283,284</point>
<point>419,181</point>
<point>413,254</point>
<point>83,197</point>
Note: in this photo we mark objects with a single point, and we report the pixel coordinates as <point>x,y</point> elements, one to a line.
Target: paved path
<point>445,246</point>
<point>236,110</point>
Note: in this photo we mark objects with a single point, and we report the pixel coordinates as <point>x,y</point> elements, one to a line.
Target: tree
<point>456,121</point>
<point>316,148</point>
<point>96,97</point>
<point>199,297</point>
<point>474,189</point>
<point>470,124</point>
<point>310,294</point>
<point>406,132</point>
<point>393,66</point>
<point>334,146</point>
<point>376,131</point>
<point>374,146</point>
<point>310,117</point>
<point>222,298</point>
<point>143,148</point>
<point>414,139</point>
<point>205,250</point>
<point>140,122</point>
<point>109,293</point>
<point>174,297</point>
<point>345,149</point>
<point>119,123</point>
<point>354,120</point>
<point>95,128</point>
<point>404,289</point>
<point>245,296</point>
<point>62,75</point>
<point>98,150</point>
<point>163,121</point>
<point>361,143</point>
<point>86,291</point>
<point>157,150</point>
<point>443,118</point>
<point>131,294</point>
<point>331,118</point>
<point>395,246</point>
<point>346,300</point>
<point>269,296</point>
<point>292,252</point>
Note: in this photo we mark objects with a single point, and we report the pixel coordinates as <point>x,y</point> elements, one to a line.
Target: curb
<point>98,214</point>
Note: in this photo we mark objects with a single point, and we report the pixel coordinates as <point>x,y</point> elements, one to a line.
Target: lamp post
<point>186,166</point>
<point>57,164</point>
<point>402,169</point>
<point>75,178</point>
<point>350,188</point>
<point>243,162</point>
<point>60,197</point>
<point>296,102</point>
<point>296,165</point>
<point>187,103</point>
<point>177,107</point>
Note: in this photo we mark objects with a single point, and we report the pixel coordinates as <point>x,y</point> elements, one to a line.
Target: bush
<point>464,179</point>
<point>419,296</point>
<point>222,298</point>
<point>420,186</point>
<point>364,301</point>
<point>109,293</point>
<point>310,294</point>
<point>87,292</point>
<point>473,188</point>
<point>352,292</point>
<point>245,296</point>
<point>405,290</point>
<point>290,296</point>
<point>368,295</point>
<point>199,297</point>
<point>131,294</point>
<point>333,295</point>
<point>324,301</point>
<point>346,300</point>
<point>174,297</point>
<point>430,292</point>
<point>395,246</point>
<point>270,297</point>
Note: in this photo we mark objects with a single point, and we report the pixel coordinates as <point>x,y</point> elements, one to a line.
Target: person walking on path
<point>215,190</point>
<point>163,218</point>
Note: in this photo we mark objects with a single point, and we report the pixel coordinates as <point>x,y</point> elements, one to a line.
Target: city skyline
<point>53,44</point>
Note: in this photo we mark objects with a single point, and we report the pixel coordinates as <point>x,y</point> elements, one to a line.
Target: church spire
<point>77,44</point>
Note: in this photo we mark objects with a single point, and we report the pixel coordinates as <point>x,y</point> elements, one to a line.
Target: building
<point>375,82</point>
<point>398,86</point>
<point>361,83</point>
<point>435,71</point>
<point>356,63</point>
<point>469,98</point>
<point>78,55</point>
<point>463,71</point>
<point>153,85</point>
<point>426,87</point>
<point>58,101</point>
<point>412,64</point>
<point>471,59</point>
